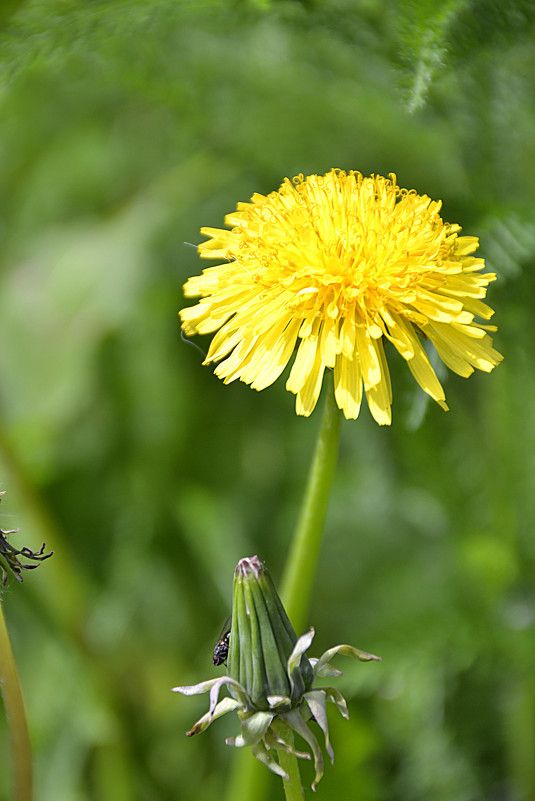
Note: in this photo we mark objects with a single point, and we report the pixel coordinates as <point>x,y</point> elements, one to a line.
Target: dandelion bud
<point>262,641</point>
<point>270,678</point>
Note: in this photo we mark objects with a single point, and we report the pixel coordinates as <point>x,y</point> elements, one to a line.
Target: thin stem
<point>293,788</point>
<point>21,756</point>
<point>306,542</point>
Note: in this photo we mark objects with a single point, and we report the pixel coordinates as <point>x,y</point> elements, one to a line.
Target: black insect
<point>222,645</point>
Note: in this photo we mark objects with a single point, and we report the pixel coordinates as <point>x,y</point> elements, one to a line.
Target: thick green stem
<point>21,756</point>
<point>293,788</point>
<point>306,542</point>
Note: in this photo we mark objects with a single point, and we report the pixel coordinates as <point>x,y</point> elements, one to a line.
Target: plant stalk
<point>301,565</point>
<point>19,740</point>
<point>293,788</point>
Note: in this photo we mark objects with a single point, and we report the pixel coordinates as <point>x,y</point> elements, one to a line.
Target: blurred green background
<point>125,127</point>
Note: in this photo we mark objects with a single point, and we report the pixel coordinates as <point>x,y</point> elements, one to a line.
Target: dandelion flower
<point>330,267</point>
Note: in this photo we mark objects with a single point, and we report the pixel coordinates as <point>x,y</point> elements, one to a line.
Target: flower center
<point>335,241</point>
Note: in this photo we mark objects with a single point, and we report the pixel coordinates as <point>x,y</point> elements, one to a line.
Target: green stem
<point>306,542</point>
<point>21,755</point>
<point>293,788</point>
<point>249,779</point>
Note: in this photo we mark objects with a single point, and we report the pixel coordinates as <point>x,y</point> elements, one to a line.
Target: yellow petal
<point>348,386</point>
<point>304,361</point>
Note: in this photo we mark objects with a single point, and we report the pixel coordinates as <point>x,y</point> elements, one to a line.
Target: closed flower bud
<point>270,678</point>
<point>262,641</point>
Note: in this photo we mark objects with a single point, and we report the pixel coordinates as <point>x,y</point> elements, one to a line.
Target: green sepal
<point>316,703</point>
<point>347,650</point>
<point>295,720</point>
<point>262,754</point>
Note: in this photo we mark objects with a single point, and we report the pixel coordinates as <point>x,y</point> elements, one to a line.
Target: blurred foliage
<point>127,126</point>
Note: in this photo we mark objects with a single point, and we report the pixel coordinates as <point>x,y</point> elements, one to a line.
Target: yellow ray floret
<point>329,267</point>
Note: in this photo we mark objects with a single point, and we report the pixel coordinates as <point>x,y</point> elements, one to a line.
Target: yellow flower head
<point>332,265</point>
